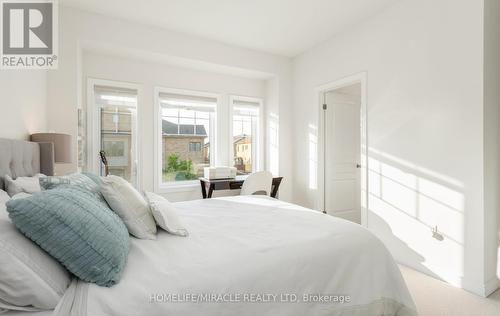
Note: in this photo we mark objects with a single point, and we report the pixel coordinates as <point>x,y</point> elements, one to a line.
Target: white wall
<point>424,64</point>
<point>22,103</point>
<point>150,75</point>
<point>492,137</point>
<point>80,29</point>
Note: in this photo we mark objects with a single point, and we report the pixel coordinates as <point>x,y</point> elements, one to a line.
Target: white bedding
<point>23,313</point>
<point>251,246</point>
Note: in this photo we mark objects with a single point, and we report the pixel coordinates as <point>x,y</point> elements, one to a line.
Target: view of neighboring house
<point>116,140</point>
<point>187,142</point>
<point>242,153</point>
<point>242,149</point>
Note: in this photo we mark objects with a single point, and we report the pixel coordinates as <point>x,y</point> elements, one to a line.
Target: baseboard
<point>353,216</point>
<point>484,290</point>
<point>491,286</point>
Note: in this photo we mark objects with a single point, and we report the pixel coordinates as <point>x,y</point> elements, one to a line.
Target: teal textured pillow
<point>85,181</point>
<point>81,233</point>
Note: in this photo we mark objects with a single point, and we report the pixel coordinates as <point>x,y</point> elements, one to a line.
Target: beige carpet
<point>437,298</point>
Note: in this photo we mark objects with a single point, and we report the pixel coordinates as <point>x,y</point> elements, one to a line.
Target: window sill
<point>179,187</point>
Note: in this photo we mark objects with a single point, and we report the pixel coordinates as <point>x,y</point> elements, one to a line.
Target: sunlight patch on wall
<point>427,172</point>
<point>273,132</point>
<point>412,201</point>
<point>313,156</point>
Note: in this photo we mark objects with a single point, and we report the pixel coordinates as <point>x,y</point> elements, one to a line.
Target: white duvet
<point>251,256</point>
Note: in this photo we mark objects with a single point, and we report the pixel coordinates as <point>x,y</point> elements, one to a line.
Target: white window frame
<point>94,127</point>
<point>258,153</point>
<point>188,185</point>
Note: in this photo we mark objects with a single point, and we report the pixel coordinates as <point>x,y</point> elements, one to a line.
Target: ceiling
<point>281,27</point>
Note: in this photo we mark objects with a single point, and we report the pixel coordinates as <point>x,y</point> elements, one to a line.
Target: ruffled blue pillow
<point>84,235</point>
<point>85,181</point>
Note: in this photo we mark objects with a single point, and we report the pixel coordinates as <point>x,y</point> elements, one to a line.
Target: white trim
<point>258,156</point>
<point>179,186</point>
<point>491,286</point>
<point>93,125</point>
<point>156,139</point>
<point>319,91</point>
<point>197,93</point>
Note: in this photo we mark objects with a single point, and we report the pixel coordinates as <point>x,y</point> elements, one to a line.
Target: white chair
<point>258,183</point>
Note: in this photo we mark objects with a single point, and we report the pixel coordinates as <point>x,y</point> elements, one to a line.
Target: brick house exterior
<point>185,147</point>
<point>187,141</point>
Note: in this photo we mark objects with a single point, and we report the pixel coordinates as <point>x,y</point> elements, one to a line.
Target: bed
<point>250,255</point>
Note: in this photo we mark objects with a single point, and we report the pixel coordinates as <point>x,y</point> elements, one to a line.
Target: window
<point>115,113</point>
<point>186,124</point>
<point>195,146</point>
<point>246,134</point>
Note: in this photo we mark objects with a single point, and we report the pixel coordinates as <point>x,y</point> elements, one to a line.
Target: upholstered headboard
<point>19,158</point>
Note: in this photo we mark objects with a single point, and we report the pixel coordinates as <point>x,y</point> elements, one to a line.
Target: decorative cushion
<point>165,214</point>
<point>28,185</point>
<point>85,181</point>
<point>80,232</point>
<point>129,204</point>
<point>30,279</point>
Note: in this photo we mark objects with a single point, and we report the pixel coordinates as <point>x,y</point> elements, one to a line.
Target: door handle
<point>358,166</point>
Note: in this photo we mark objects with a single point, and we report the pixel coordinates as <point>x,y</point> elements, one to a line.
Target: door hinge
<point>324,106</point>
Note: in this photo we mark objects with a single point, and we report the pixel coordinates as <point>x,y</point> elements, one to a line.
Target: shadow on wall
<point>417,212</point>
<point>407,203</point>
<point>385,233</point>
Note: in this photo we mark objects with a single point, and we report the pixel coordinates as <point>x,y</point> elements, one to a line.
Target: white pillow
<point>4,197</point>
<point>30,279</point>
<point>28,185</point>
<point>21,195</point>
<point>165,214</point>
<point>129,204</point>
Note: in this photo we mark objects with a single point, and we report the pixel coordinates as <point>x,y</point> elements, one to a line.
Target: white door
<point>342,154</point>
